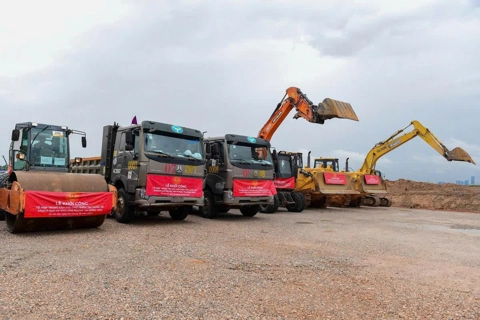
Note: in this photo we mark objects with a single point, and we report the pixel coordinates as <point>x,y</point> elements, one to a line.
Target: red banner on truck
<point>46,204</point>
<point>285,183</point>
<point>372,179</point>
<point>334,178</point>
<point>253,188</point>
<point>174,186</point>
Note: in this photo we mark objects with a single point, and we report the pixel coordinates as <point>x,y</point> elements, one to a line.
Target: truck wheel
<point>123,212</point>
<point>250,211</point>
<point>209,209</point>
<point>298,205</point>
<point>180,213</point>
<point>2,215</point>
<point>304,201</point>
<point>271,208</point>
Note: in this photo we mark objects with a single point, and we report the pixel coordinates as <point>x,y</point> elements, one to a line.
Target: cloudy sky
<point>222,67</point>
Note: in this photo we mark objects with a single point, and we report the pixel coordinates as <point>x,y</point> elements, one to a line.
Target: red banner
<point>285,183</point>
<point>174,186</point>
<point>334,178</point>
<point>47,204</point>
<point>372,179</point>
<point>253,188</point>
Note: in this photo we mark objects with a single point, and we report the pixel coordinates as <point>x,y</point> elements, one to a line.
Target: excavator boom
<point>295,98</point>
<point>395,141</point>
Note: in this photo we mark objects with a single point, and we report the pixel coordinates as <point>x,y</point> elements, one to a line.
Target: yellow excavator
<point>368,182</point>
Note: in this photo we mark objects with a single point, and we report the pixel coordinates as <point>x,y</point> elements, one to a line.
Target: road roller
<point>40,193</point>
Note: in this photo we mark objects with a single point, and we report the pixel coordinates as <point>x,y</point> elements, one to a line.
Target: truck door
<point>130,151</point>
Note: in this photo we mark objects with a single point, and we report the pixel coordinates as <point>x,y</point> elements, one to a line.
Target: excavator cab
<point>330,164</point>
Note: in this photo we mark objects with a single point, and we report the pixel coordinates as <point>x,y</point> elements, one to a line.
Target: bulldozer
<point>39,193</point>
<point>367,182</point>
<point>287,163</point>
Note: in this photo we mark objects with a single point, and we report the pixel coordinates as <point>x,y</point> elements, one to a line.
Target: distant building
<point>459,182</point>
<point>466,182</point>
<point>472,180</point>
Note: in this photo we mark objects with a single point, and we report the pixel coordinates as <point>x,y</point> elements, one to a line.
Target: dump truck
<point>239,175</point>
<point>155,167</point>
<point>295,198</point>
<point>39,193</point>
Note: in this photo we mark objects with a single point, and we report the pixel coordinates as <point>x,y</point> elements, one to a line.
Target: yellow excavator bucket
<point>459,154</point>
<point>331,108</point>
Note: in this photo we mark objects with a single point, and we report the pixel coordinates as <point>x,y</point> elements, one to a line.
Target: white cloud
<point>224,66</point>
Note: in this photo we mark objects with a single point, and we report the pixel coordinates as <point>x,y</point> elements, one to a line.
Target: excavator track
<point>385,202</point>
<point>53,182</point>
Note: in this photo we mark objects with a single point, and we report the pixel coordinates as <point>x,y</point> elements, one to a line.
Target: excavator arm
<point>393,142</point>
<point>295,98</point>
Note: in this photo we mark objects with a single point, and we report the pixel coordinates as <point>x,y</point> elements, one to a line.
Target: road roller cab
<point>38,192</point>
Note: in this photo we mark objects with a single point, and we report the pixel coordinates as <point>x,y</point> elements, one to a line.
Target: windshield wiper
<point>162,154</point>
<point>189,156</point>
<point>243,161</point>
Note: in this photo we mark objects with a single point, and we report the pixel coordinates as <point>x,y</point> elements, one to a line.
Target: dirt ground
<point>412,194</point>
<point>333,263</point>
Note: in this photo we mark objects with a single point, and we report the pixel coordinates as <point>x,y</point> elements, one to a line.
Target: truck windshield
<point>49,148</point>
<point>173,146</point>
<point>249,154</point>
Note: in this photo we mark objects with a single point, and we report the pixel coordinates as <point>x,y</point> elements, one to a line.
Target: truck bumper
<point>231,201</point>
<point>144,201</point>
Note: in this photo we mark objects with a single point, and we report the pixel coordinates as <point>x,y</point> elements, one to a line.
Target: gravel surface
<point>368,263</point>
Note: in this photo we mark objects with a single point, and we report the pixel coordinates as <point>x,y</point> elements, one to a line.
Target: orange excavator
<point>286,163</point>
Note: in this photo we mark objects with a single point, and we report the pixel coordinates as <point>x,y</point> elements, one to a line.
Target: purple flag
<point>134,120</point>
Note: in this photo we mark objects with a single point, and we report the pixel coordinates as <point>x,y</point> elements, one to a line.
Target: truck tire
<point>250,211</point>
<point>271,208</point>
<point>180,213</point>
<point>298,205</point>
<point>209,209</point>
<point>304,201</point>
<point>124,212</point>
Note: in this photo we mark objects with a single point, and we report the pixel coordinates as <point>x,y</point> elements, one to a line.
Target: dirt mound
<point>424,195</point>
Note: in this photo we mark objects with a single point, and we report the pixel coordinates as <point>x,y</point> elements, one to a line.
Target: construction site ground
<point>424,195</point>
<point>334,263</point>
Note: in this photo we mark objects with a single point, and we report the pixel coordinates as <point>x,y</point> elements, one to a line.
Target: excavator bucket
<point>331,108</point>
<point>459,154</point>
<point>47,201</point>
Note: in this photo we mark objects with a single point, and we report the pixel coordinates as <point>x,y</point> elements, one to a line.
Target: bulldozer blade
<point>331,108</point>
<point>459,154</point>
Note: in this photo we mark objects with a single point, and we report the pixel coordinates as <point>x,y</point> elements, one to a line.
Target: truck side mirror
<point>215,151</point>
<point>207,151</point>
<point>129,138</point>
<point>15,134</point>
<point>84,142</point>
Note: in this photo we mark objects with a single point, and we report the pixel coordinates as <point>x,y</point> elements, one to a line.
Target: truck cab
<point>240,174</point>
<point>155,167</point>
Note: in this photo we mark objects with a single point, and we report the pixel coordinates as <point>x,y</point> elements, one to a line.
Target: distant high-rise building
<point>458,182</point>
<point>472,180</point>
<point>466,182</point>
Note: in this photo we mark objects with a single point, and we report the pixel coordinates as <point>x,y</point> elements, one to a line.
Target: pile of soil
<point>424,195</point>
